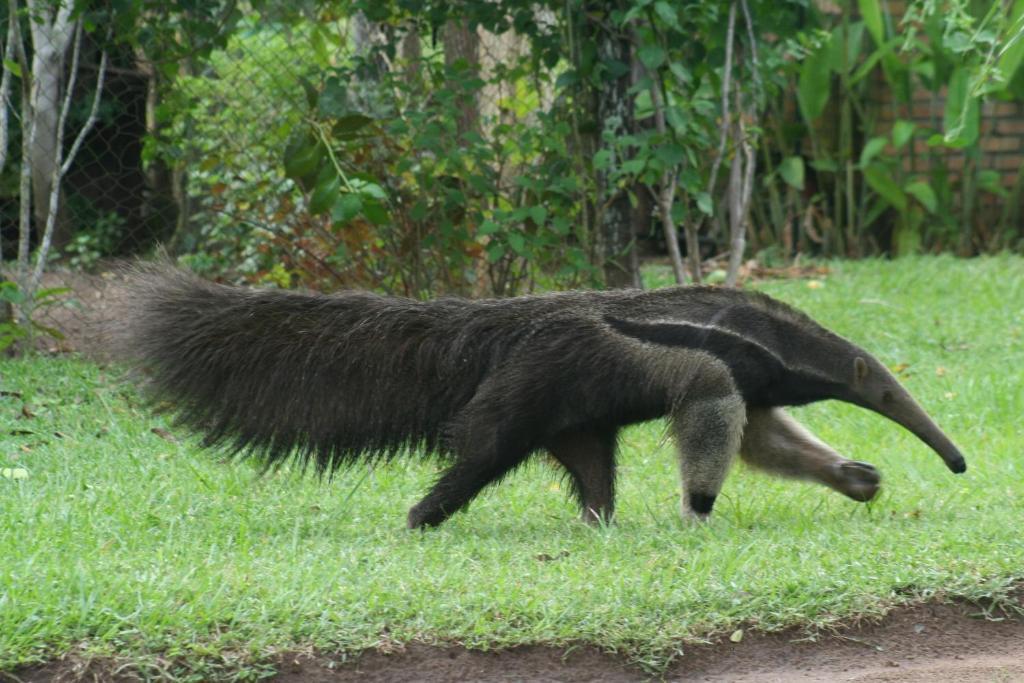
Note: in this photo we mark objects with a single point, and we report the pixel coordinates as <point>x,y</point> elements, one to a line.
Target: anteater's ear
<point>860,370</point>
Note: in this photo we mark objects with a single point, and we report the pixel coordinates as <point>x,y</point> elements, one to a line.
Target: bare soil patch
<point>952,643</point>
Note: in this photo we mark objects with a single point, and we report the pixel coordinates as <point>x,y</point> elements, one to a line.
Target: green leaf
<point>346,207</point>
<point>375,212</point>
<point>1013,50</point>
<point>704,203</point>
<point>668,13</point>
<point>13,67</point>
<point>902,131</point>
<point>814,84</point>
<point>962,118</point>
<point>871,150</point>
<point>884,52</point>
<point>652,56</point>
<point>49,293</point>
<point>488,228</point>
<point>538,214</point>
<point>602,159</point>
<point>792,171</point>
<point>871,11</point>
<point>854,41</point>
<point>991,181</point>
<point>671,154</point>
<point>518,243</point>
<point>419,210</point>
<point>880,180</point>
<point>825,165</point>
<point>923,192</point>
<point>10,293</point>
<point>495,251</point>
<point>302,156</point>
<point>347,126</point>
<point>326,191</point>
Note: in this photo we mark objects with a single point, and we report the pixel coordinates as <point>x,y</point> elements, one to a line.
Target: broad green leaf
<point>302,156</point>
<point>881,181</point>
<point>902,131</point>
<point>651,56</point>
<point>871,150</point>
<point>326,191</point>
<point>11,293</point>
<point>671,154</point>
<point>825,165</point>
<point>854,41</point>
<point>518,243</point>
<point>347,126</point>
<point>668,13</point>
<point>13,67</point>
<point>814,84</point>
<point>884,51</point>
<point>375,212</point>
<point>346,207</point>
<point>871,11</point>
<point>48,294</point>
<point>1013,49</point>
<point>704,203</point>
<point>992,181</point>
<point>488,228</point>
<point>792,171</point>
<point>962,117</point>
<point>47,330</point>
<point>923,192</point>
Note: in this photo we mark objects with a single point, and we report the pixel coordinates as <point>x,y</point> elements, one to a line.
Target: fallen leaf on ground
<point>164,434</point>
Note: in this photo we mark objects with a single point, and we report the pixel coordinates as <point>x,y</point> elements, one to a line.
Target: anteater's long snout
<point>904,410</point>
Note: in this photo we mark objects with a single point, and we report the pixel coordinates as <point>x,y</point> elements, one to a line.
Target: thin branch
<point>730,39</point>
<point>61,166</point>
<point>667,194</point>
<point>754,71</point>
<point>5,89</point>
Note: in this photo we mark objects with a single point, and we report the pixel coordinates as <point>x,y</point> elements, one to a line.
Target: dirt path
<point>933,643</point>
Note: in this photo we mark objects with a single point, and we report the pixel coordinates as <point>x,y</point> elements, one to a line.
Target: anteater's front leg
<point>708,429</point>
<point>589,458</point>
<point>775,442</point>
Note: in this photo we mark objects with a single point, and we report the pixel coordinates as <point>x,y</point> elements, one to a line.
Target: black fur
<point>331,379</point>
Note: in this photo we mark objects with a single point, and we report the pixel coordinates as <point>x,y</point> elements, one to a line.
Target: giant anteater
<point>332,379</point>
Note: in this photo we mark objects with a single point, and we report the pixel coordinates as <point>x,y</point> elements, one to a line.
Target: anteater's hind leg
<point>589,458</point>
<point>489,439</point>
<point>460,483</point>
<point>775,442</point>
<point>708,432</point>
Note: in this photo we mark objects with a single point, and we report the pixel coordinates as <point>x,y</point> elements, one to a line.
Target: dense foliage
<point>475,147</point>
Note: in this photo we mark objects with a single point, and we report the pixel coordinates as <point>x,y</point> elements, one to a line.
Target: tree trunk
<point>51,35</point>
<point>462,45</point>
<point>615,119</point>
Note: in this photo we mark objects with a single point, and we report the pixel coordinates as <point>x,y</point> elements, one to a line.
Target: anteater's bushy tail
<point>273,373</point>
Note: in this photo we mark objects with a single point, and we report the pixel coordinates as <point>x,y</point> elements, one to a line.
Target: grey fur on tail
<point>333,379</point>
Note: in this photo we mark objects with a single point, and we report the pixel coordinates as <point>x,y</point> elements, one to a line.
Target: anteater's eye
<point>887,396</point>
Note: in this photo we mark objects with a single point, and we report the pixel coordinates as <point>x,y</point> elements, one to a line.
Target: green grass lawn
<point>121,542</point>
